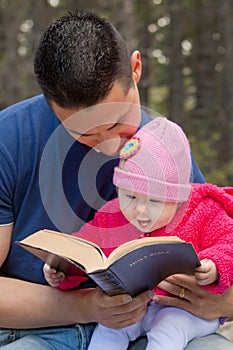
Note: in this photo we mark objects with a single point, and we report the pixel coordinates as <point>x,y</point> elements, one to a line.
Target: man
<point>57,154</point>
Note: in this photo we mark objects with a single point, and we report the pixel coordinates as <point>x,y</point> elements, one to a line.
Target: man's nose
<point>109,146</point>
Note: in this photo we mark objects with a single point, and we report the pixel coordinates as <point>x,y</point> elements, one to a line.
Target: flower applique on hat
<point>130,148</point>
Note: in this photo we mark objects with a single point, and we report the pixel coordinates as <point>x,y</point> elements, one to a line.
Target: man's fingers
<point>174,283</point>
<point>170,288</point>
<point>120,310</point>
<point>185,281</point>
<point>176,302</point>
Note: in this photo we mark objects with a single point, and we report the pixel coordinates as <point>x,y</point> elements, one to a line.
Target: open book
<point>132,268</point>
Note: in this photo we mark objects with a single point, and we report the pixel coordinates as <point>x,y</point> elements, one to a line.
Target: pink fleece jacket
<point>206,221</point>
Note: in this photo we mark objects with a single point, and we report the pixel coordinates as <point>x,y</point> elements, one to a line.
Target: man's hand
<point>117,311</point>
<point>188,295</point>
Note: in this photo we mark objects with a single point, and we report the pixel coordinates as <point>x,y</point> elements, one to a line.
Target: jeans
<point>210,342</point>
<point>59,338</point>
<point>77,338</point>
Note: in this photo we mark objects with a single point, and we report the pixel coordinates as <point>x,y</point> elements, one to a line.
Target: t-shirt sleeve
<point>196,174</point>
<point>7,186</point>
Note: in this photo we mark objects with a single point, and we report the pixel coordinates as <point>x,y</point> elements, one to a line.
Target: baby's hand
<point>206,273</point>
<point>52,276</point>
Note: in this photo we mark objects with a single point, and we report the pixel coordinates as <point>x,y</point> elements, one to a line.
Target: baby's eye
<point>130,196</point>
<point>154,201</point>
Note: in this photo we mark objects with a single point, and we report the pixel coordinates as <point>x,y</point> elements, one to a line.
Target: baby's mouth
<point>143,223</point>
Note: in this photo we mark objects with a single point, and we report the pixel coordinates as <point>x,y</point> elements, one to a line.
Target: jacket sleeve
<point>72,282</point>
<point>218,247</point>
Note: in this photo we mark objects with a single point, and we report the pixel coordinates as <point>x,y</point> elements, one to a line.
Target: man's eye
<point>114,126</point>
<point>86,136</point>
<point>119,122</point>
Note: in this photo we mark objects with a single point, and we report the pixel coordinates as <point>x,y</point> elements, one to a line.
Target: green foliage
<point>205,149</point>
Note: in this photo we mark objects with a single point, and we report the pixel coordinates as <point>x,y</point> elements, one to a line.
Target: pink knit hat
<point>156,162</point>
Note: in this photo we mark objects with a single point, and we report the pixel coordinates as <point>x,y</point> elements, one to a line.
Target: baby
<point>156,198</point>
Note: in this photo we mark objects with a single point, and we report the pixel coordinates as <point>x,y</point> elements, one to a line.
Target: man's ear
<point>136,64</point>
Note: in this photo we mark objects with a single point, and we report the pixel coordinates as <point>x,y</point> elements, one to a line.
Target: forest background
<point>187,53</point>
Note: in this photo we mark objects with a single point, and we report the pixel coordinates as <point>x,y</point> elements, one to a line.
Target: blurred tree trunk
<point>132,19</point>
<point>122,15</point>
<point>176,62</point>
<point>10,60</point>
<point>42,10</point>
<point>145,15</point>
<point>204,58</point>
<point>226,112</point>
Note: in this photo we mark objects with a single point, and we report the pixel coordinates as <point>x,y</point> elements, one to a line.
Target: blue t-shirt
<point>48,180</point>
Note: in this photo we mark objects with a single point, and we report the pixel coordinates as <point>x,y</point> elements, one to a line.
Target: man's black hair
<point>79,58</point>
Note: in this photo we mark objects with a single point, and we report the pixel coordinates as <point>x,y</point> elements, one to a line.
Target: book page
<point>137,243</point>
<point>85,253</point>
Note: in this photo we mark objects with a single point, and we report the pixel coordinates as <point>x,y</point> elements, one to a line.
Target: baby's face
<point>144,212</point>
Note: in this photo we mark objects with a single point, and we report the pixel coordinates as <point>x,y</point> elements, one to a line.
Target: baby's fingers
<point>201,278</point>
<point>55,280</point>
<point>48,269</point>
